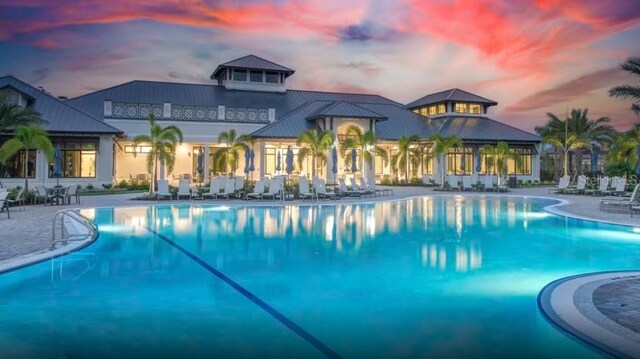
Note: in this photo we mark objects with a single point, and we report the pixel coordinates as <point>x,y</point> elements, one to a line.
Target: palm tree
<point>576,133</point>
<point>365,143</point>
<point>26,138</point>
<point>13,115</point>
<point>498,156</point>
<point>441,145</point>
<point>227,157</point>
<point>632,65</point>
<point>624,148</point>
<point>163,142</point>
<point>406,155</point>
<point>314,145</point>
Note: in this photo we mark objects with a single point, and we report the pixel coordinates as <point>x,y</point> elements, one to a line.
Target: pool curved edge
<point>556,302</point>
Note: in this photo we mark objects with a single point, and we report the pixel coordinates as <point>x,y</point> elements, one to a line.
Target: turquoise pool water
<point>429,277</point>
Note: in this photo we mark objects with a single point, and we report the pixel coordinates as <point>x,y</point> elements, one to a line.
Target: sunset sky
<point>532,57</point>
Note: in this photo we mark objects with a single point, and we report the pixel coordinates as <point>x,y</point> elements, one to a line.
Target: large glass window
<point>256,76</point>
<point>475,108</point>
<point>78,159</point>
<point>432,110</point>
<point>461,107</point>
<point>271,154</point>
<point>14,167</point>
<point>442,108</point>
<point>239,75</point>
<point>272,77</point>
<point>460,161</point>
<point>522,166</point>
<point>423,111</point>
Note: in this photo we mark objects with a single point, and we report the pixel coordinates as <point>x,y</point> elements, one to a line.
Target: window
<point>475,108</point>
<point>256,76</point>
<point>416,110</point>
<point>272,77</point>
<point>432,110</point>
<point>442,108</point>
<point>518,164</point>
<point>460,161</point>
<point>78,159</point>
<point>423,111</point>
<point>461,107</point>
<point>137,149</point>
<point>14,167</point>
<point>239,75</point>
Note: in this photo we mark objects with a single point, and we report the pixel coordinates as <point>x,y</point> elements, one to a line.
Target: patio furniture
<point>163,190</point>
<point>303,188</point>
<point>45,194</point>
<point>345,191</point>
<point>425,179</point>
<point>4,204</point>
<point>364,189</point>
<point>214,188</point>
<point>563,183</point>
<point>229,189</point>
<point>321,189</point>
<point>258,190</point>
<point>604,184</point>
<point>580,187</point>
<point>183,188</point>
<point>466,183</point>
<point>73,191</point>
<point>619,184</point>
<point>609,202</point>
<point>488,184</point>
<point>19,199</point>
<point>275,188</point>
<point>372,186</point>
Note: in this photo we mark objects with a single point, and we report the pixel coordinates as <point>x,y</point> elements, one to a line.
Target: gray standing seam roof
<point>482,129</point>
<point>59,116</point>
<point>450,95</point>
<point>252,62</point>
<point>346,109</point>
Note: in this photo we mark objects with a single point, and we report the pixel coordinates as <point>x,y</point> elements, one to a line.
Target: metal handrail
<point>62,234</point>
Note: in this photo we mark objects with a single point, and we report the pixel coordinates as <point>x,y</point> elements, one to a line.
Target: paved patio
<point>29,232</point>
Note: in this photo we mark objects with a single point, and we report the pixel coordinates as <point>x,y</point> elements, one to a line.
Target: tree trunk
<point>443,170</point>
<point>26,170</point>
<point>313,166</point>
<point>152,184</point>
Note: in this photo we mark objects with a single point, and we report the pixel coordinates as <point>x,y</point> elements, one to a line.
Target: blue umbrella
<point>278,162</point>
<point>354,159</point>
<point>594,160</point>
<point>247,159</point>
<point>478,160</point>
<point>334,159</point>
<point>57,168</point>
<point>462,164</point>
<point>200,168</point>
<point>289,160</point>
<point>252,155</point>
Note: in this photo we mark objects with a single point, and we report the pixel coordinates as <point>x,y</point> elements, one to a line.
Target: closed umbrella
<point>334,159</point>
<point>354,159</point>
<point>57,167</point>
<point>252,155</point>
<point>594,160</point>
<point>247,159</point>
<point>278,162</point>
<point>289,160</point>
<point>200,168</point>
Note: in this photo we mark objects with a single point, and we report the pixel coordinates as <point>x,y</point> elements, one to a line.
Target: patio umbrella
<point>334,159</point>
<point>57,167</point>
<point>252,155</point>
<point>278,162</point>
<point>200,168</point>
<point>594,160</point>
<point>478,161</point>
<point>247,159</point>
<point>354,159</point>
<point>289,161</point>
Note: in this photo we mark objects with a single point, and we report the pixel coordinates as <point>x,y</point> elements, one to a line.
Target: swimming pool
<point>427,277</point>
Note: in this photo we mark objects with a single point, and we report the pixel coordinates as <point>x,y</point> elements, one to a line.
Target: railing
<point>70,226</point>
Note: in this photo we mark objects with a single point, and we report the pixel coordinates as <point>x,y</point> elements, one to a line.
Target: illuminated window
<point>475,108</point>
<point>423,111</point>
<point>137,149</point>
<point>442,108</point>
<point>461,107</point>
<point>272,77</point>
<point>78,160</point>
<point>432,110</point>
<point>519,164</point>
<point>455,163</point>
<point>239,75</point>
<point>255,76</point>
<point>416,110</point>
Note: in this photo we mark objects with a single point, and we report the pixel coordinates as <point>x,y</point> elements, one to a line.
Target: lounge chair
<point>604,184</point>
<point>372,186</point>
<point>619,184</point>
<point>183,188</point>
<point>563,183</point>
<point>425,179</point>
<point>258,191</point>
<point>163,190</point>
<point>354,186</point>
<point>452,181</point>
<point>275,188</point>
<point>239,186</point>
<point>229,189</point>
<point>303,188</point>
<point>466,183</point>
<point>488,183</point>
<point>214,188</point>
<point>74,191</point>
<point>45,194</point>
<point>4,205</point>
<point>609,202</point>
<point>348,192</point>
<point>580,187</point>
<point>19,199</point>
<point>321,189</point>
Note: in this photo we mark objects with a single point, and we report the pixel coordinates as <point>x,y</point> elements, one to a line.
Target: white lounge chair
<point>321,189</point>
<point>372,186</point>
<point>214,188</point>
<point>19,199</point>
<point>466,183</point>
<point>183,188</point>
<point>4,205</point>
<point>303,189</point>
<point>228,190</point>
<point>163,190</point>
<point>619,184</point>
<point>364,189</point>
<point>452,181</point>
<point>425,179</point>
<point>258,191</point>
<point>604,184</point>
<point>488,183</point>
<point>563,183</point>
<point>275,188</point>
<point>348,192</point>
<point>580,187</point>
<point>609,202</point>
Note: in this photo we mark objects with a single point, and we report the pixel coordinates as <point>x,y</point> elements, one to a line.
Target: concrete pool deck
<point>616,303</point>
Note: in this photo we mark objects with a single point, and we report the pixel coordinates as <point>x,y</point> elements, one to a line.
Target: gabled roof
<point>291,125</point>
<point>450,95</point>
<point>345,109</point>
<point>251,62</point>
<point>482,129</point>
<point>59,116</point>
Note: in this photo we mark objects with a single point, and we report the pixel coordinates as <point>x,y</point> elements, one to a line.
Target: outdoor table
<point>58,192</point>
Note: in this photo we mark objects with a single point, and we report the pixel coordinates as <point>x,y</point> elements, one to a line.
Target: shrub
<point>619,169</point>
<point>90,187</point>
<point>385,181</point>
<point>107,186</point>
<point>415,180</point>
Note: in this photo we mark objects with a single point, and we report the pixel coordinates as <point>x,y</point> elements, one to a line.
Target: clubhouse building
<point>250,96</point>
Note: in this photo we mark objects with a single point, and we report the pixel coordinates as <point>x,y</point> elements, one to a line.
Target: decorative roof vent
<point>252,73</point>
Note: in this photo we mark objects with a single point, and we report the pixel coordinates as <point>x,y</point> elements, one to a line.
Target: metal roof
<point>251,62</point>
<point>450,95</point>
<point>59,116</point>
<point>482,129</point>
<point>291,125</point>
<point>345,109</point>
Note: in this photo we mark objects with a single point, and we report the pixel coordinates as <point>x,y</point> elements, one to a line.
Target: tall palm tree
<point>365,143</point>
<point>624,148</point>
<point>576,134</point>
<point>163,142</point>
<point>13,115</point>
<point>498,156</point>
<point>406,154</point>
<point>441,145</point>
<point>27,138</point>
<point>314,145</point>
<point>227,157</point>
<point>632,65</point>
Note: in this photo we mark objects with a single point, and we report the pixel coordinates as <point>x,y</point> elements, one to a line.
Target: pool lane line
<point>330,353</point>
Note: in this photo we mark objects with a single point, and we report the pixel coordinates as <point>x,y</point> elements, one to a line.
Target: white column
<point>205,164</point>
<point>263,159</point>
<point>104,160</point>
